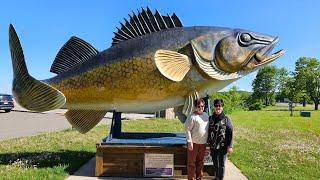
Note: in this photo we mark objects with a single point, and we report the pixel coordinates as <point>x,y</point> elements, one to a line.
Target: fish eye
<point>245,37</point>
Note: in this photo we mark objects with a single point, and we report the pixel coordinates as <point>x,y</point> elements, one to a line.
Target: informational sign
<point>158,165</point>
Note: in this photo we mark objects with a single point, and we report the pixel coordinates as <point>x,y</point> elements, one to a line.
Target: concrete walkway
<point>87,172</point>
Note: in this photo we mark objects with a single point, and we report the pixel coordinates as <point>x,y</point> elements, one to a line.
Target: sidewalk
<point>87,172</point>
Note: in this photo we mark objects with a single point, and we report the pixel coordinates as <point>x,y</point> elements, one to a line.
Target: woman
<point>196,127</point>
<point>220,138</point>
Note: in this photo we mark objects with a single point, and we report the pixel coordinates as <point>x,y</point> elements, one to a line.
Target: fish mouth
<point>262,56</point>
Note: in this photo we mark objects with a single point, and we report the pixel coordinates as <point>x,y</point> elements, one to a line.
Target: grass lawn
<point>48,156</point>
<point>56,155</point>
<point>268,144</point>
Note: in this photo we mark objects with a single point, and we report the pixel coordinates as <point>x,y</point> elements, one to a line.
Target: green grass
<point>155,125</point>
<point>57,155</point>
<point>48,156</point>
<point>268,144</point>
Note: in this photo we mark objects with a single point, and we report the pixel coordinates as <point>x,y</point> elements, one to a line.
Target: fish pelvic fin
<point>172,65</point>
<point>30,93</point>
<point>178,112</point>
<point>189,103</point>
<point>84,120</point>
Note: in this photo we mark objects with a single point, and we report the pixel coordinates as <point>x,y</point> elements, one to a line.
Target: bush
<point>255,106</point>
<point>233,99</point>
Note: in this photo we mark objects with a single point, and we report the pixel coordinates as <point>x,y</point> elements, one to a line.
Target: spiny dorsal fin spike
<point>161,21</point>
<point>138,23</point>
<point>176,20</point>
<point>167,21</point>
<point>123,31</point>
<point>145,22</point>
<point>171,21</point>
<point>126,30</point>
<point>134,33</point>
<point>153,20</point>
<point>119,35</point>
<point>134,24</point>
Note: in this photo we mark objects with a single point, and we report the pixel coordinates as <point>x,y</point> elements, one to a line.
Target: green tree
<point>307,79</point>
<point>232,99</point>
<point>265,85</point>
<point>283,80</point>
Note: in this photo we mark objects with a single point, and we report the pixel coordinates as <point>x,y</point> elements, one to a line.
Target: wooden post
<point>99,162</point>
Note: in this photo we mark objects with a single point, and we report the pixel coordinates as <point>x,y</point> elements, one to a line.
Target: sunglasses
<point>217,105</point>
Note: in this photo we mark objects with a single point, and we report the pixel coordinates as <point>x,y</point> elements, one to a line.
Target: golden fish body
<point>131,85</point>
<point>154,63</point>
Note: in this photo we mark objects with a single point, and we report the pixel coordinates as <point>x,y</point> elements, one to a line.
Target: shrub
<point>255,106</point>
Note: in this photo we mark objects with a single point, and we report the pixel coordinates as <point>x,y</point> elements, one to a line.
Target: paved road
<point>22,123</point>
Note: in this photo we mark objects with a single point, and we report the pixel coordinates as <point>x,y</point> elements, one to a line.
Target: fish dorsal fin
<point>72,53</point>
<point>145,22</point>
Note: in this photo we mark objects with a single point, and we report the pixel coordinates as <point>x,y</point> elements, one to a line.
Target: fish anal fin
<point>84,120</point>
<point>172,65</point>
<point>72,53</point>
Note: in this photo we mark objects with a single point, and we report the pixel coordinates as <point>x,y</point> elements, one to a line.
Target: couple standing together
<point>215,131</point>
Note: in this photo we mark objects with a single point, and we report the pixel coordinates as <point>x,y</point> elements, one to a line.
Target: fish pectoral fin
<point>84,120</point>
<point>172,65</point>
<point>72,53</point>
<point>189,103</point>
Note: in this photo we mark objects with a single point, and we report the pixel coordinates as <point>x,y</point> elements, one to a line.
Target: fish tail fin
<point>30,93</point>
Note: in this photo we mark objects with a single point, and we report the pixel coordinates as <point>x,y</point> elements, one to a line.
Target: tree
<point>232,99</point>
<point>265,84</point>
<point>283,81</point>
<point>307,78</point>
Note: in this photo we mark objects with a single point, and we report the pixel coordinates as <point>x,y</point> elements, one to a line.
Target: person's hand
<point>230,150</point>
<point>207,152</point>
<point>190,146</point>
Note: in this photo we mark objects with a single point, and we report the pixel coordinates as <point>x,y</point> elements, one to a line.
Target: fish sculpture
<point>153,63</point>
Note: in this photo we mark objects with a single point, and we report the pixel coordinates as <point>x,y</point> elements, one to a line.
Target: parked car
<point>6,102</point>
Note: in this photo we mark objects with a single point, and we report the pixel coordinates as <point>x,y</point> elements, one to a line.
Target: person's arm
<point>188,128</point>
<point>230,136</point>
<point>209,140</point>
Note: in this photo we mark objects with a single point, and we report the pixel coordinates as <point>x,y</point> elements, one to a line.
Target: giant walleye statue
<point>154,63</point>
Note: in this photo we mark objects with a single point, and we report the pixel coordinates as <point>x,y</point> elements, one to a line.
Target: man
<point>196,127</point>
<point>219,138</point>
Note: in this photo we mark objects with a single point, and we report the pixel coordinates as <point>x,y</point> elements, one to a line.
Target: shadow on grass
<point>73,160</point>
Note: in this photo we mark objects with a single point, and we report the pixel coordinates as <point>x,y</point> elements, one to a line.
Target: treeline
<point>278,84</point>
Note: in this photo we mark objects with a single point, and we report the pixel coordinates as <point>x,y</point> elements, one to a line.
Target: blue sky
<point>44,26</point>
